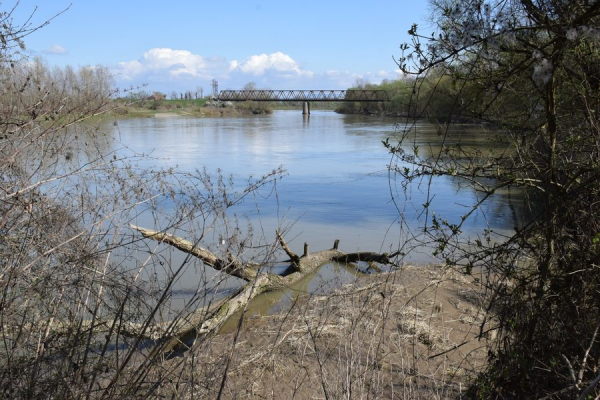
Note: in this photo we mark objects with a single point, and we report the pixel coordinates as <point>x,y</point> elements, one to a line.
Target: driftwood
<point>205,322</point>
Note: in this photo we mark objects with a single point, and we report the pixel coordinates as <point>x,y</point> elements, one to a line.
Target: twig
<point>589,388</point>
<point>571,371</point>
<point>587,353</point>
<point>456,346</point>
<point>293,256</point>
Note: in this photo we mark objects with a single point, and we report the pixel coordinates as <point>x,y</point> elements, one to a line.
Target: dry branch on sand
<point>201,322</point>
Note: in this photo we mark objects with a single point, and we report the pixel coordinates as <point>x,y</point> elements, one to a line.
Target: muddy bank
<point>407,334</point>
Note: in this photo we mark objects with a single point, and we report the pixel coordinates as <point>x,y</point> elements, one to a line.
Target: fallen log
<point>230,264</point>
<point>383,258</point>
<point>203,322</point>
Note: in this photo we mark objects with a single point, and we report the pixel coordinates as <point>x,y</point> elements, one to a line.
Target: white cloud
<point>276,62</point>
<point>130,69</point>
<point>168,61</point>
<point>168,69</point>
<point>56,49</point>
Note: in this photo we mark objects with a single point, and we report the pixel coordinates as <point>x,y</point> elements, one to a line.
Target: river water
<point>337,184</point>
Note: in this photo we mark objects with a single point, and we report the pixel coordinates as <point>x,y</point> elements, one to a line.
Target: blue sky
<point>181,45</point>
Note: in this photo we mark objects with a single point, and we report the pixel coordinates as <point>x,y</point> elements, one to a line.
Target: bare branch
<point>231,265</point>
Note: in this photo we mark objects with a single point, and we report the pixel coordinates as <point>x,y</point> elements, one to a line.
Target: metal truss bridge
<point>304,95</point>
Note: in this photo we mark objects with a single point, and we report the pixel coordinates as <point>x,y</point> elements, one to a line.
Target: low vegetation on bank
<point>141,106</point>
<point>409,334</point>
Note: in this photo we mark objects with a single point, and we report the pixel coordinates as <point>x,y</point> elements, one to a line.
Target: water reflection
<point>338,185</point>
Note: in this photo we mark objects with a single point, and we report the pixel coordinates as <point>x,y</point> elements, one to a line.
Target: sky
<point>181,45</point>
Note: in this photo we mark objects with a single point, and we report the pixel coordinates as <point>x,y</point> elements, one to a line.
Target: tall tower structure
<point>215,89</point>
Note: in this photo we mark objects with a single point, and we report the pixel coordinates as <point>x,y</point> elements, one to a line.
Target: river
<point>337,184</point>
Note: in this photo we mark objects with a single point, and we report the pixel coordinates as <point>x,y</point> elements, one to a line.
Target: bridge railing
<point>304,95</point>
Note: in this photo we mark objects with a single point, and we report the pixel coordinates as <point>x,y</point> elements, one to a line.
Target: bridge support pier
<point>306,108</point>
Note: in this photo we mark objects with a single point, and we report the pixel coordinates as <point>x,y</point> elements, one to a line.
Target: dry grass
<point>399,335</point>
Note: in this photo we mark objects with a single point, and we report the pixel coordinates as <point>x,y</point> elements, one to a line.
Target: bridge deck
<point>304,95</point>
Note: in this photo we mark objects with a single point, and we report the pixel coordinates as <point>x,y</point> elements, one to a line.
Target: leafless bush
<point>83,299</point>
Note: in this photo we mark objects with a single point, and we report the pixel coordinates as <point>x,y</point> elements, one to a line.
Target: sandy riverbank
<point>408,334</point>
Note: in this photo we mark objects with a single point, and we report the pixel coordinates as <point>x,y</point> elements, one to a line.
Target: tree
<point>257,281</point>
<point>250,86</point>
<point>532,68</point>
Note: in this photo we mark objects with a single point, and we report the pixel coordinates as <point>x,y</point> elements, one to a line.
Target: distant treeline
<point>434,97</point>
<point>399,92</point>
<point>51,91</point>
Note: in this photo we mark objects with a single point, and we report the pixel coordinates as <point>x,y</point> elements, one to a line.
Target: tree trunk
<point>202,322</point>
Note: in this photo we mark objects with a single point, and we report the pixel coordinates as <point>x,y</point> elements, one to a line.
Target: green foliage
<point>184,103</point>
<point>255,107</point>
<point>434,99</point>
<point>399,91</point>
